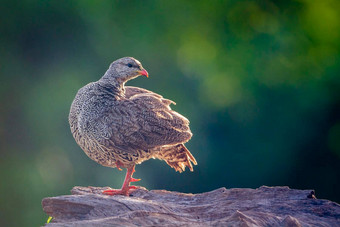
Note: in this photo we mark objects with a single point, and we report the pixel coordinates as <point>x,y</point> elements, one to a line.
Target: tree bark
<point>265,206</point>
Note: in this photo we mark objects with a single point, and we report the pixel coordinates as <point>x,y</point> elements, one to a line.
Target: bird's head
<point>125,69</point>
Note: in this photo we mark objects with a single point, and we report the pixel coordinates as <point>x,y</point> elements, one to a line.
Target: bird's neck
<point>113,86</point>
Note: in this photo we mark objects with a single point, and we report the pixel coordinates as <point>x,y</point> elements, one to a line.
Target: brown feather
<point>111,122</point>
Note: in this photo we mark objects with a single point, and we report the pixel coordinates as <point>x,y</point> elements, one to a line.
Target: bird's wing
<point>131,91</point>
<point>142,122</point>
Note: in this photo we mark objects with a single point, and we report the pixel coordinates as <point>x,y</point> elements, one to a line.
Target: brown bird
<point>121,126</point>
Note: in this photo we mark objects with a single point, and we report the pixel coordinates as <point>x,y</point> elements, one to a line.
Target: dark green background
<point>259,81</point>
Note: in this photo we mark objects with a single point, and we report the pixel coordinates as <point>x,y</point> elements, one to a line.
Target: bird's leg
<point>126,185</point>
<point>133,179</point>
<point>118,165</point>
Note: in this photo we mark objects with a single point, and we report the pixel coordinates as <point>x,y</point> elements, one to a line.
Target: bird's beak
<point>144,73</point>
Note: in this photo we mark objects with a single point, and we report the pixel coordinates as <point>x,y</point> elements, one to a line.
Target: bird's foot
<point>126,188</point>
<point>125,192</point>
<point>133,187</point>
<point>116,192</point>
<point>134,179</point>
<point>119,165</point>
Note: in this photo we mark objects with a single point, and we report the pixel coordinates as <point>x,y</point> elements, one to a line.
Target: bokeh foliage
<point>259,81</point>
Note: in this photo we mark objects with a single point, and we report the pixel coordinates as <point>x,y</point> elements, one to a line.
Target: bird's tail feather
<point>177,157</point>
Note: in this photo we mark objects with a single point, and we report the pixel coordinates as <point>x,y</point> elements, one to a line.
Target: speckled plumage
<point>120,126</point>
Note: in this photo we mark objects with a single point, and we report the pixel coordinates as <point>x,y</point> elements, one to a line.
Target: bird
<point>120,126</point>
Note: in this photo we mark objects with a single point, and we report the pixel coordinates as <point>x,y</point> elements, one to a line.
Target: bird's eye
<point>129,65</point>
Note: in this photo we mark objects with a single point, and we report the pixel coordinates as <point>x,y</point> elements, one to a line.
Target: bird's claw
<point>115,192</point>
<point>118,165</point>
<point>134,179</point>
<point>120,191</point>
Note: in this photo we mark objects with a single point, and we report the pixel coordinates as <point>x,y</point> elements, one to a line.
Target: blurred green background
<point>259,81</point>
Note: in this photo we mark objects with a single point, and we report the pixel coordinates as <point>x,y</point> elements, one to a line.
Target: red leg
<point>126,185</point>
<point>118,165</point>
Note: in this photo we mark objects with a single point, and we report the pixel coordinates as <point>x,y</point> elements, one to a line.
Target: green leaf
<point>49,219</point>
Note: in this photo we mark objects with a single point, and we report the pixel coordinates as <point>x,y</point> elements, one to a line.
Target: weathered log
<point>265,206</point>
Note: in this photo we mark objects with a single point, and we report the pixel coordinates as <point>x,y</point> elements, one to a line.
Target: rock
<point>265,206</point>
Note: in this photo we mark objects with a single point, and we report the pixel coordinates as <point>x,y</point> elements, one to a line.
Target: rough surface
<point>265,206</point>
